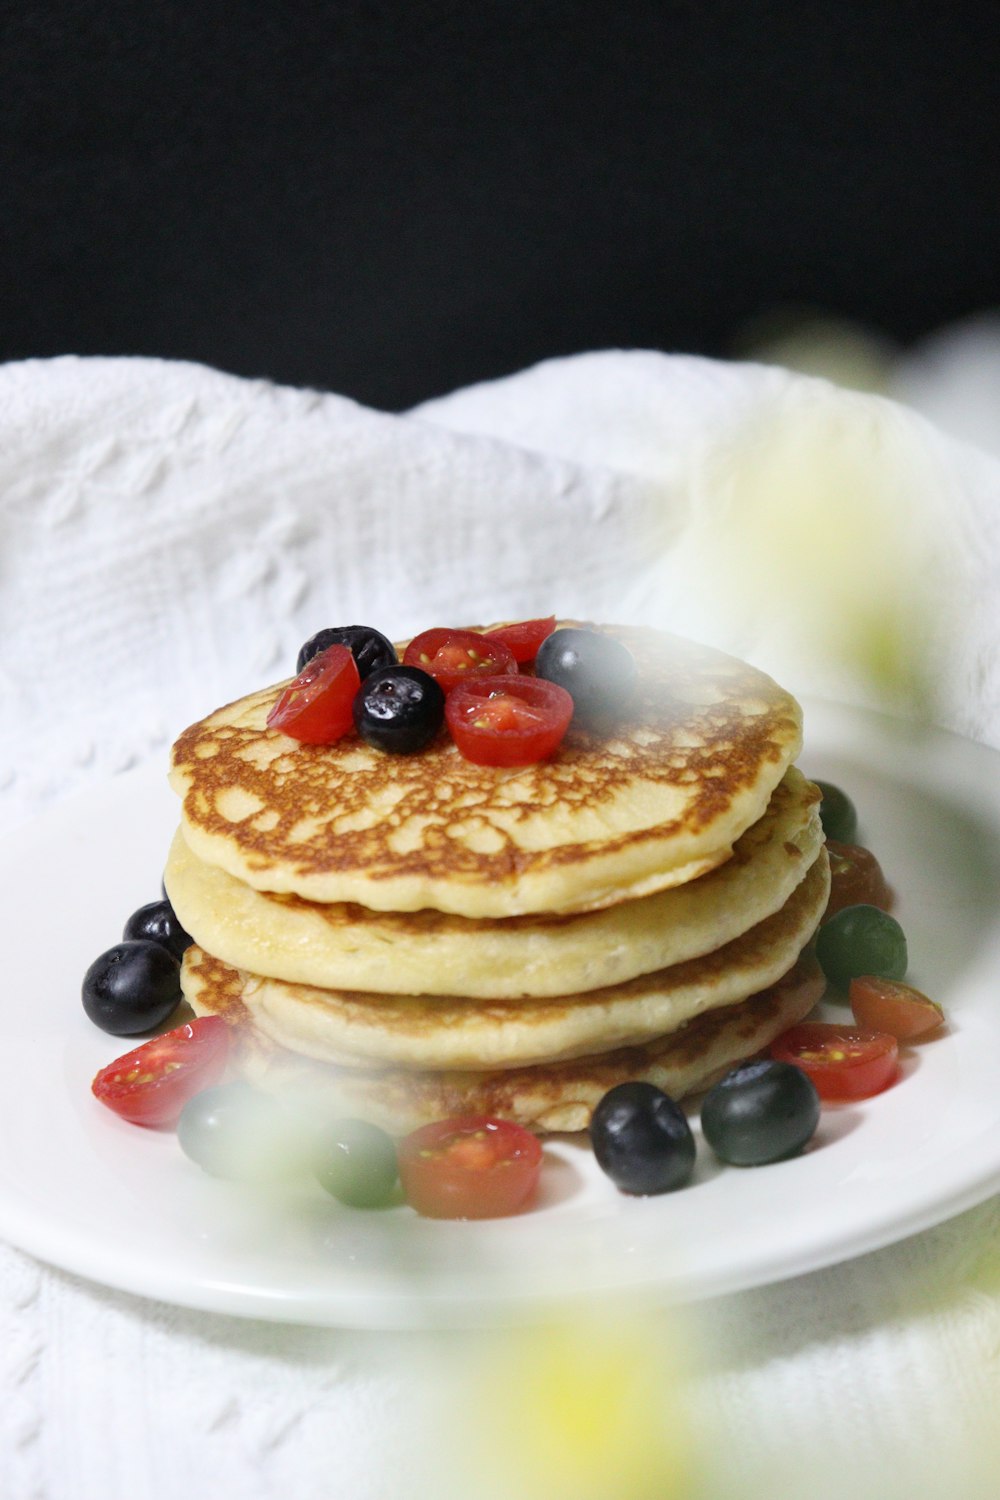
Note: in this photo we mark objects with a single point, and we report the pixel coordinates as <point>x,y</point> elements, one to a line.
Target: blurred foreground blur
<point>952,376</point>
<point>614,1406</point>
<point>825,524</point>
<point>837,539</point>
<point>588,1407</point>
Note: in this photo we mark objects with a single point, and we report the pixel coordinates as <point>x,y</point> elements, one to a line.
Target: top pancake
<point>657,802</point>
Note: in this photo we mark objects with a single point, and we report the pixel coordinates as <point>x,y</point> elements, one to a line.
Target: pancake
<point>658,802</point>
<point>550,1097</point>
<point>347,947</point>
<point>358,1029</point>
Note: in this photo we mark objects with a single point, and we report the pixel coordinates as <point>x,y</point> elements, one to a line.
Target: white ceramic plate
<point>83,1190</point>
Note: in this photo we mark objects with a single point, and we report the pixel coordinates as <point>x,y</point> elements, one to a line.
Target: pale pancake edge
<point>355,1029</point>
<point>350,948</point>
<point>547,1097</point>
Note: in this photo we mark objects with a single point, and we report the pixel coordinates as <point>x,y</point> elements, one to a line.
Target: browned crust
<point>430,922</point>
<point>690,729</point>
<point>550,1096</point>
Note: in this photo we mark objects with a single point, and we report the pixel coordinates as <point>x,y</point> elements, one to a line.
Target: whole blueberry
<point>642,1139</point>
<point>598,672</point>
<point>369,647</point>
<point>760,1112</point>
<point>131,988</point>
<point>399,709</point>
<point>157,923</point>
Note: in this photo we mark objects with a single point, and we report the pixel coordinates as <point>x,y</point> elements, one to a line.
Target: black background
<point>390,200</point>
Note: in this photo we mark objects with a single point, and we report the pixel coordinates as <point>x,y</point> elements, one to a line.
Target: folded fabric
<point>169,534</point>
<point>168,537</point>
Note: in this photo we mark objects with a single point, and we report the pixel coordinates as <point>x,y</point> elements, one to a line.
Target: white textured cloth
<point>168,537</point>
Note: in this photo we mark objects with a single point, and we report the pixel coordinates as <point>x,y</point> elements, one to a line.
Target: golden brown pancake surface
<point>338,946</point>
<point>657,802</point>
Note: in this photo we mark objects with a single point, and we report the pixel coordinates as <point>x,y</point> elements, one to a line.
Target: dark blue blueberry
<point>132,988</point>
<point>597,671</point>
<point>157,923</point>
<point>642,1139</point>
<point>399,709</point>
<point>369,648</point>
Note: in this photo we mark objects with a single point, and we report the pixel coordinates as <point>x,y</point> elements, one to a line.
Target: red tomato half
<point>892,1006</point>
<point>452,656</point>
<point>525,637</point>
<point>508,721</point>
<point>856,879</point>
<point>472,1167</point>
<point>844,1062</point>
<point>151,1084</point>
<point>318,707</point>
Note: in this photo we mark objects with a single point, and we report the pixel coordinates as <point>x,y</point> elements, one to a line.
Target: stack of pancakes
<point>416,937</point>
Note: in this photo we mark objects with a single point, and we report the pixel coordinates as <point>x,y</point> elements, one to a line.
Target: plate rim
<point>415,1307</point>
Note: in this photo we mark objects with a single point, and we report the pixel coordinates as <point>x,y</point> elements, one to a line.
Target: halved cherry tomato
<point>892,1006</point>
<point>856,879</point>
<point>151,1084</point>
<point>844,1062</point>
<point>317,708</point>
<point>525,637</point>
<point>452,656</point>
<point>472,1167</point>
<point>508,721</point>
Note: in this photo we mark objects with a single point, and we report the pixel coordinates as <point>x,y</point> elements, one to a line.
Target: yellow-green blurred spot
<point>571,1411</point>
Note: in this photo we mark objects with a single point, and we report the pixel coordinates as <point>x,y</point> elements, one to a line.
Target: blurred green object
<point>838,813</point>
<point>356,1164</point>
<point>824,537</point>
<point>861,940</point>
